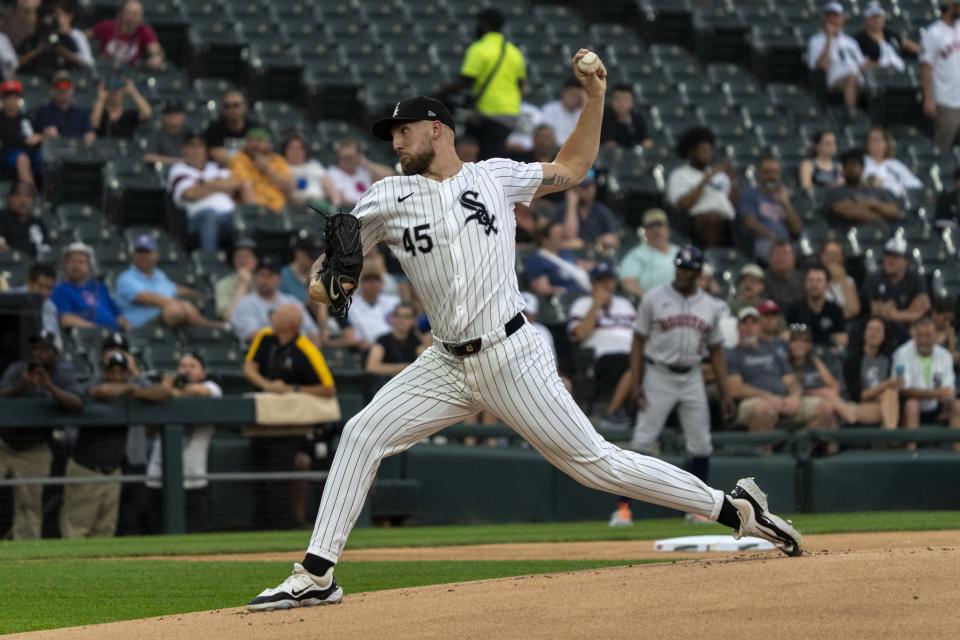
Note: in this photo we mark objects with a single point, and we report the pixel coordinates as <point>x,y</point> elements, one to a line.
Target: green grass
<point>213,543</point>
<point>94,591</point>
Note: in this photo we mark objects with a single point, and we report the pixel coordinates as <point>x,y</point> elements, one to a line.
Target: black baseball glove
<point>342,262</point>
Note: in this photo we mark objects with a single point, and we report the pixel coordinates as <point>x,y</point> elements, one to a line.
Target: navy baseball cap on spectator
<point>115,340</point>
<point>413,110</point>
<point>145,242</point>
<point>270,264</point>
<point>602,270</point>
<point>690,257</point>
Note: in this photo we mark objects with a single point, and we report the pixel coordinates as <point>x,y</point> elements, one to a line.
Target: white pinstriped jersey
<point>455,240</point>
<point>677,328</point>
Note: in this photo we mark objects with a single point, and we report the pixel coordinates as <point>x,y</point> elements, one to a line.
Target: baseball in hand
<point>589,63</point>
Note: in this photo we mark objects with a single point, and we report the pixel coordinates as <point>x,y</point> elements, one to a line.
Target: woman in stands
<point>821,169</point>
<point>869,378</point>
<point>843,289</point>
<point>814,376</point>
<point>881,169</point>
<point>311,181</point>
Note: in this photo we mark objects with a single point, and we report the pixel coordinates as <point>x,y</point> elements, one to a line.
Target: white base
<point>712,543</point>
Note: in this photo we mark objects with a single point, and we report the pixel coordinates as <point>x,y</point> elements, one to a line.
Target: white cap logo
<point>431,114</point>
<point>396,110</point>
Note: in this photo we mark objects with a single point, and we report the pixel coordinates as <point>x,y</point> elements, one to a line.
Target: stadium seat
<point>666,20</point>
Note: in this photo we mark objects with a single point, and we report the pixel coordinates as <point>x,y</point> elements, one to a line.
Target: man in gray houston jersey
<point>451,225</point>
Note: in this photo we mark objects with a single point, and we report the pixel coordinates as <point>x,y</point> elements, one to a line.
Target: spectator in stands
<point>371,309</point>
<point>881,169</point>
<point>766,212</point>
<point>520,140</point>
<point>704,191</point>
<point>588,223</point>
<point>253,312</point>
<point>783,282</point>
<point>942,311</point>
<point>929,381</point>
<point>116,342</point>
<point>265,174</point>
<point>90,510</point>
<point>310,180</point>
<point>603,322</point>
<point>127,40</point>
<point>855,203</point>
<point>495,71</point>
<point>206,191</point>
<point>20,143</point>
<point>545,145</point>
<point>895,293</point>
<point>751,288</point>
<point>227,134</point>
<point>283,360</point>
<point>24,452</point>
<point>21,21</point>
<point>843,290</point>
<point>191,381</point>
<point>552,269</point>
<point>164,144</point>
<point>869,377</point>
<point>59,47</point>
<point>940,75</point>
<point>20,230</point>
<point>824,319</point>
<point>8,58</point>
<point>881,45</point>
<point>815,378</point>
<point>772,328</point>
<point>61,118</point>
<point>767,390</point>
<point>392,352</point>
<point>83,299</point>
<point>295,276</point>
<point>146,294</point>
<point>354,173</point>
<point>821,169</point>
<point>563,114</point>
<point>231,288</point>
<point>948,202</point>
<point>40,280</point>
<point>651,263</point>
<point>623,126</point>
<point>467,149</point>
<point>839,56</point>
<point>108,118</point>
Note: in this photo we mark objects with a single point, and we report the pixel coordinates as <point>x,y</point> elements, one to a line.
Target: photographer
<point>58,46</point>
<point>191,381</point>
<point>24,452</point>
<point>109,119</point>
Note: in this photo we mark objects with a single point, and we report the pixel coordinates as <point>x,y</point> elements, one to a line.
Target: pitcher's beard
<point>416,163</point>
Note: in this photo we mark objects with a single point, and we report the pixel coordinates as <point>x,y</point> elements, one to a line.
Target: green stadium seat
<point>720,34</point>
<point>666,20</point>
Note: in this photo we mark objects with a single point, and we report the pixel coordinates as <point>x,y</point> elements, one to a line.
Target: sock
<point>315,564</point>
<point>729,516</point>
<point>700,467</point>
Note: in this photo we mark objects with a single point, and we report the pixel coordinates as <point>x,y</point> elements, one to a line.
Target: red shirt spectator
<point>127,39</point>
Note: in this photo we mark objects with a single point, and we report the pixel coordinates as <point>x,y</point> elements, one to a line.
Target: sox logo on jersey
<point>469,200</point>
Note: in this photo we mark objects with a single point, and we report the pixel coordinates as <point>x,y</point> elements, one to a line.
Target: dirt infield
<point>889,585</point>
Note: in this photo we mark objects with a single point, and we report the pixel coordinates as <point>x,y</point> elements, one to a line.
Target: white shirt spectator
<point>522,135</point>
<point>940,48</point>
<point>370,320</point>
<point>308,179</point>
<point>846,58</point>
<point>351,186</point>
<point>915,374</point>
<point>716,195</point>
<point>84,52</point>
<point>889,58</point>
<point>614,331</point>
<point>9,61</point>
<point>891,174</point>
<point>183,176</point>
<point>562,121</point>
<point>196,447</point>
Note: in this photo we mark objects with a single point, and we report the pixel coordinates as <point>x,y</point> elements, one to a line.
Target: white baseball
<point>589,63</point>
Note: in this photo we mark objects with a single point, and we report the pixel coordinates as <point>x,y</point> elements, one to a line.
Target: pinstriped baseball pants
<point>516,379</point>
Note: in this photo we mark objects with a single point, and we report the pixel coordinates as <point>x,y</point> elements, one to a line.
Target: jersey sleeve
<point>520,180</point>
<point>367,209</point>
<point>644,322</point>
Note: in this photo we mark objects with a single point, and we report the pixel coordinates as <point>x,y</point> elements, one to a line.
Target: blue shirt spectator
<point>61,117</point>
<point>552,269</point>
<point>132,283</point>
<point>81,300</point>
<point>765,210</point>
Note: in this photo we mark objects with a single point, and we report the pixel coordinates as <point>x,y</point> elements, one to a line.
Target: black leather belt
<point>471,347</point>
<point>672,368</point>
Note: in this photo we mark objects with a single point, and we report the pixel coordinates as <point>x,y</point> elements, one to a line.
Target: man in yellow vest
<point>495,71</point>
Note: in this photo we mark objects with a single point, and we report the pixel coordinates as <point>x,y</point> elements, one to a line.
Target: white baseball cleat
<point>756,519</point>
<point>300,589</point>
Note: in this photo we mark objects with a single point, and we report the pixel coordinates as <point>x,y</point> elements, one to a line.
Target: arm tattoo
<point>556,181</point>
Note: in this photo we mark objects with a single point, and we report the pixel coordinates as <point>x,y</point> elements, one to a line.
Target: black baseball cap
<point>48,338</point>
<point>116,359</point>
<point>270,264</point>
<point>173,106</point>
<point>413,110</point>
<point>115,340</point>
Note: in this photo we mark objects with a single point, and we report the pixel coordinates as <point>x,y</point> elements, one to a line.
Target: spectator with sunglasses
<point>226,135</point>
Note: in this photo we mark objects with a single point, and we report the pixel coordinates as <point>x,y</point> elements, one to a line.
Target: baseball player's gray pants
<point>515,378</point>
<point>664,390</point>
